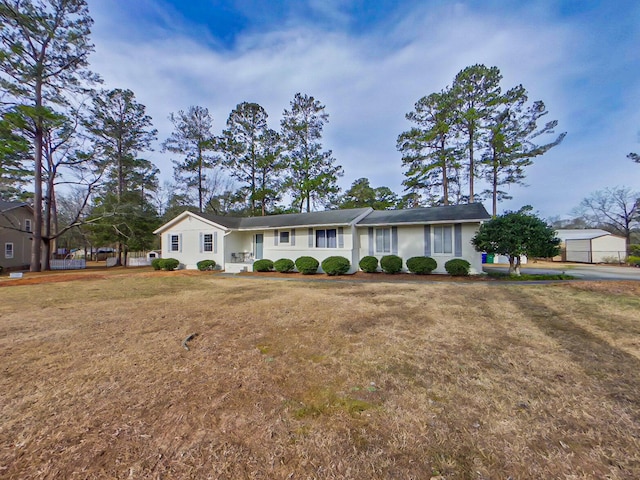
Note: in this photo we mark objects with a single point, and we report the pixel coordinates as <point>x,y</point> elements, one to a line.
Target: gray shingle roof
<point>329,217</point>
<point>453,213</point>
<point>5,205</point>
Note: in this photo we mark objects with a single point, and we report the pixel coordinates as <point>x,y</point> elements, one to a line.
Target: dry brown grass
<point>318,380</point>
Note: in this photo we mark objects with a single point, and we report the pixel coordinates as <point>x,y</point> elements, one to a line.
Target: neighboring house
<point>16,220</point>
<point>591,245</point>
<point>235,243</point>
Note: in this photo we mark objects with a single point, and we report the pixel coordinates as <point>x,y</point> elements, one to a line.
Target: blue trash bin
<point>484,258</point>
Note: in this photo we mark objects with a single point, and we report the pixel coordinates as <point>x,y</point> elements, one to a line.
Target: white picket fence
<point>68,264</point>
<point>131,261</point>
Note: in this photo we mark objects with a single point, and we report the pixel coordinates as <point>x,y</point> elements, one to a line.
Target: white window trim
<point>7,246</point>
<point>27,225</point>
<point>288,240</point>
<point>171,236</point>
<point>205,243</point>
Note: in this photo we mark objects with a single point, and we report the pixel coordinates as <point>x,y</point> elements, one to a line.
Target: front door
<point>258,246</point>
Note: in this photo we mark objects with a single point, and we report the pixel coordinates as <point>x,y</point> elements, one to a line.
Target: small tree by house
<point>515,234</point>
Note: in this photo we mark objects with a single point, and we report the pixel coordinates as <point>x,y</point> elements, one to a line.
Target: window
<point>284,237</point>
<point>27,224</point>
<point>8,250</point>
<point>442,240</point>
<point>327,238</point>
<point>383,240</point>
<point>207,242</point>
<point>175,243</point>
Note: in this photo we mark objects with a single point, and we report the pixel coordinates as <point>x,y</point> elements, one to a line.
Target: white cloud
<point>368,82</point>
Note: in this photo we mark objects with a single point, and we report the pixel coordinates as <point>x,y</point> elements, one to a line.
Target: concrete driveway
<point>578,270</point>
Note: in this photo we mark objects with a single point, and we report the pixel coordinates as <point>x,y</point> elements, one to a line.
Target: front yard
<point>318,380</point>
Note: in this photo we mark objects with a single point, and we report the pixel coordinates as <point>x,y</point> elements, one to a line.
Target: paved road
<point>582,271</point>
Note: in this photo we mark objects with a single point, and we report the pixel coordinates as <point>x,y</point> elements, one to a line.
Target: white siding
<point>301,248</point>
<point>596,250</point>
<point>411,244</point>
<point>607,248</point>
<point>190,230</point>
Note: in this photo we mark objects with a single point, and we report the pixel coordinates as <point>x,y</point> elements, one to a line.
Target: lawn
<point>322,380</point>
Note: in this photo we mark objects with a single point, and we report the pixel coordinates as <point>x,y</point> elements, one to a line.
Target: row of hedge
<point>305,265</point>
<point>340,265</point>
<point>417,265</point>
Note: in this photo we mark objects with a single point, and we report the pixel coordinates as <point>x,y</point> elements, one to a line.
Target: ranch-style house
<point>235,243</point>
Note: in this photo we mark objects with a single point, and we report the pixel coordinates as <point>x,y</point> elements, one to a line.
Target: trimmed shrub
<point>369,264</point>
<point>169,264</point>
<point>264,265</point>
<point>284,265</point>
<point>336,265</point>
<point>307,265</point>
<point>634,261</point>
<point>156,263</point>
<point>391,264</point>
<point>421,265</point>
<point>204,265</point>
<point>457,267</point>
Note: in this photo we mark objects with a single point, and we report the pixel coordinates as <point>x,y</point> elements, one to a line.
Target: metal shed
<point>592,245</point>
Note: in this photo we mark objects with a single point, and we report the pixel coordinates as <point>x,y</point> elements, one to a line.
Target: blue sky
<point>369,61</point>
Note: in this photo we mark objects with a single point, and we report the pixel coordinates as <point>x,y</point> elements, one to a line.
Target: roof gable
<point>6,206</point>
<point>187,214</point>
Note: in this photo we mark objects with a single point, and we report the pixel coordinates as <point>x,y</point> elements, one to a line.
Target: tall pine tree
<point>312,173</point>
<point>192,138</point>
<point>44,50</point>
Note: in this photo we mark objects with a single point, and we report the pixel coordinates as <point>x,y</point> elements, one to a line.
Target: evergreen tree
<point>476,91</point>
<point>312,173</point>
<point>251,152</point>
<point>428,151</point>
<point>510,145</point>
<point>515,234</point>
<point>44,50</point>
<point>14,157</point>
<point>362,194</point>
<point>192,138</point>
<point>121,130</point>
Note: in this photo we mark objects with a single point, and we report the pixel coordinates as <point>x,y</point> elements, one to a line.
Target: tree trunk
<point>495,189</point>
<point>445,180</point>
<point>471,164</point>
<point>36,244</point>
<point>514,265</point>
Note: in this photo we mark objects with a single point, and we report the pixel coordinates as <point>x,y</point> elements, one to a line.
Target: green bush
<point>284,265</point>
<point>634,250</point>
<point>421,265</point>
<point>369,264</point>
<point>634,261</point>
<point>457,267</point>
<point>264,265</point>
<point>156,263</point>
<point>169,263</point>
<point>391,264</point>
<point>336,265</point>
<point>206,265</point>
<point>307,265</point>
